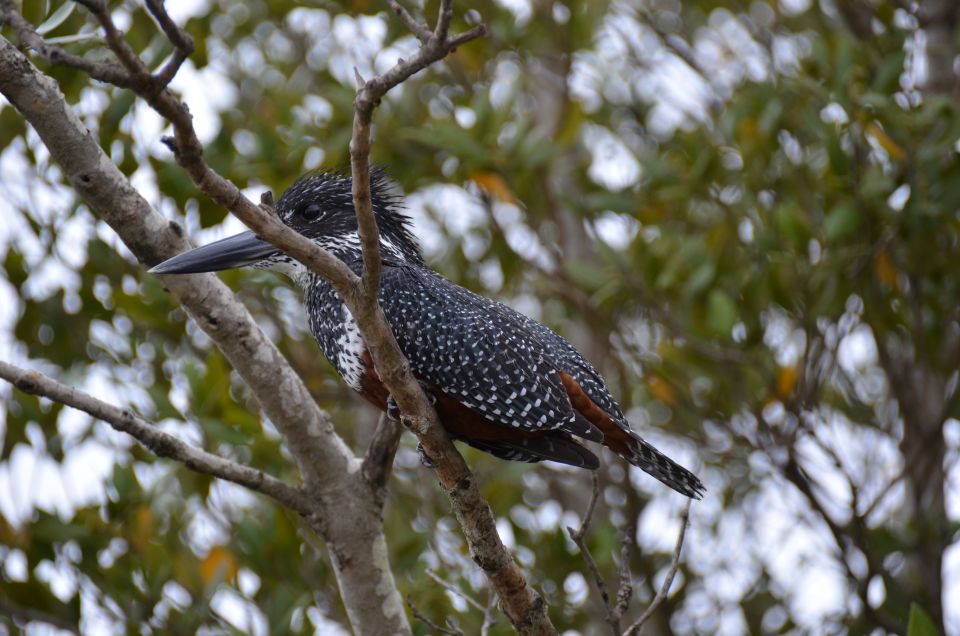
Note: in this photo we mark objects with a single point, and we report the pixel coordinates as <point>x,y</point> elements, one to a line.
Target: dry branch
<point>524,607</point>
<point>614,612</point>
<point>159,442</point>
<point>667,582</point>
<point>342,511</point>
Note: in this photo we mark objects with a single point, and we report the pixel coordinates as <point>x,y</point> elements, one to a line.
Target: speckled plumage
<point>517,374</point>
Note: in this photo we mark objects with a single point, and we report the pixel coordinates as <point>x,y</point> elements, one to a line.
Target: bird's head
<point>320,207</point>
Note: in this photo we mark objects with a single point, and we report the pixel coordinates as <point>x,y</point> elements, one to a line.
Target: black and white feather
<point>492,359</point>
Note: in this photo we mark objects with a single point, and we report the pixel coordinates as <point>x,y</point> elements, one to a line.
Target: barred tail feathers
<point>644,456</point>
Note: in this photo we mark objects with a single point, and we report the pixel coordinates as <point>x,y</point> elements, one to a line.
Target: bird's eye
<point>310,211</point>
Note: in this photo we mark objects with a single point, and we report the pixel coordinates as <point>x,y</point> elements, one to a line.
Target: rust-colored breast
<point>370,385</point>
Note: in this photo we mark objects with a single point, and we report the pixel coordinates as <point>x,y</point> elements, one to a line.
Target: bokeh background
<point>745,214</point>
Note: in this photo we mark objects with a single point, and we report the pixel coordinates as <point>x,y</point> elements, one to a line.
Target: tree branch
<point>522,604</point>
<point>423,618</point>
<point>420,30</point>
<point>344,511</point>
<point>614,612</point>
<point>579,538</point>
<point>667,582</point>
<point>378,461</point>
<point>159,442</point>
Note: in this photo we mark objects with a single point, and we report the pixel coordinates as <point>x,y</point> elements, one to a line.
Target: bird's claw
<point>393,411</point>
<point>424,458</point>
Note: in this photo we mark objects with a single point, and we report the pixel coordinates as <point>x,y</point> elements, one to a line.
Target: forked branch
<point>615,611</point>
<point>522,604</point>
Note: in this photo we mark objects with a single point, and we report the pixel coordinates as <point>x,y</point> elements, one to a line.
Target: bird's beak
<point>234,251</point>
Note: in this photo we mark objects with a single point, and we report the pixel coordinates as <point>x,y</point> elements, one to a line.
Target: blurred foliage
<point>745,214</point>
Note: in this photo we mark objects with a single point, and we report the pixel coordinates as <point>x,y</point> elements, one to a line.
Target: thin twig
<point>159,442</point>
<point>420,30</point>
<point>433,48</point>
<point>181,40</point>
<point>420,616</point>
<point>613,613</point>
<point>665,588</point>
<point>115,39</point>
<point>447,585</point>
<point>625,588</point>
<point>444,17</point>
<point>520,602</point>
<point>488,620</point>
<point>591,506</point>
<point>578,537</point>
<point>108,72</point>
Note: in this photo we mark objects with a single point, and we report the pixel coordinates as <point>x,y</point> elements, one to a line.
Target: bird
<point>500,381</point>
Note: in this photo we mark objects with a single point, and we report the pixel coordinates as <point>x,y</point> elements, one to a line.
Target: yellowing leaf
<point>653,213</point>
<point>786,381</point>
<point>219,565</point>
<point>494,185</point>
<point>884,269</point>
<point>661,390</point>
<point>888,144</point>
<point>142,528</point>
<point>748,128</point>
<point>468,58</point>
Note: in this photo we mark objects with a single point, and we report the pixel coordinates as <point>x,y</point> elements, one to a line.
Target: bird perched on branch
<point>500,381</point>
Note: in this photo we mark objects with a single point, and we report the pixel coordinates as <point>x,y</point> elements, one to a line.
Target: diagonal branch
<point>579,538</point>
<point>161,443</point>
<point>524,607</point>
<point>108,72</point>
<point>181,40</point>
<point>667,582</point>
<point>343,508</point>
<point>433,48</point>
<point>452,630</point>
<point>420,30</point>
<point>378,460</point>
<point>614,612</point>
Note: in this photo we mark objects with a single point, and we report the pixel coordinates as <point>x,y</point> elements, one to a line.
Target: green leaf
<point>792,223</point>
<point>57,18</point>
<point>842,221</point>
<point>920,623</point>
<point>721,312</point>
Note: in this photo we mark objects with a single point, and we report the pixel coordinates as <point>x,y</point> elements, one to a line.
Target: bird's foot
<point>393,411</point>
<point>424,458</point>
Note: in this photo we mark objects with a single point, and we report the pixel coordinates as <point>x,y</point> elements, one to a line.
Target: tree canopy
<point>745,214</point>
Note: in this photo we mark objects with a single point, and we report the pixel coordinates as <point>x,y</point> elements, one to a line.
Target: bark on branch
<point>522,604</point>
<point>343,511</point>
<point>615,611</point>
<point>524,607</point>
<point>161,443</point>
